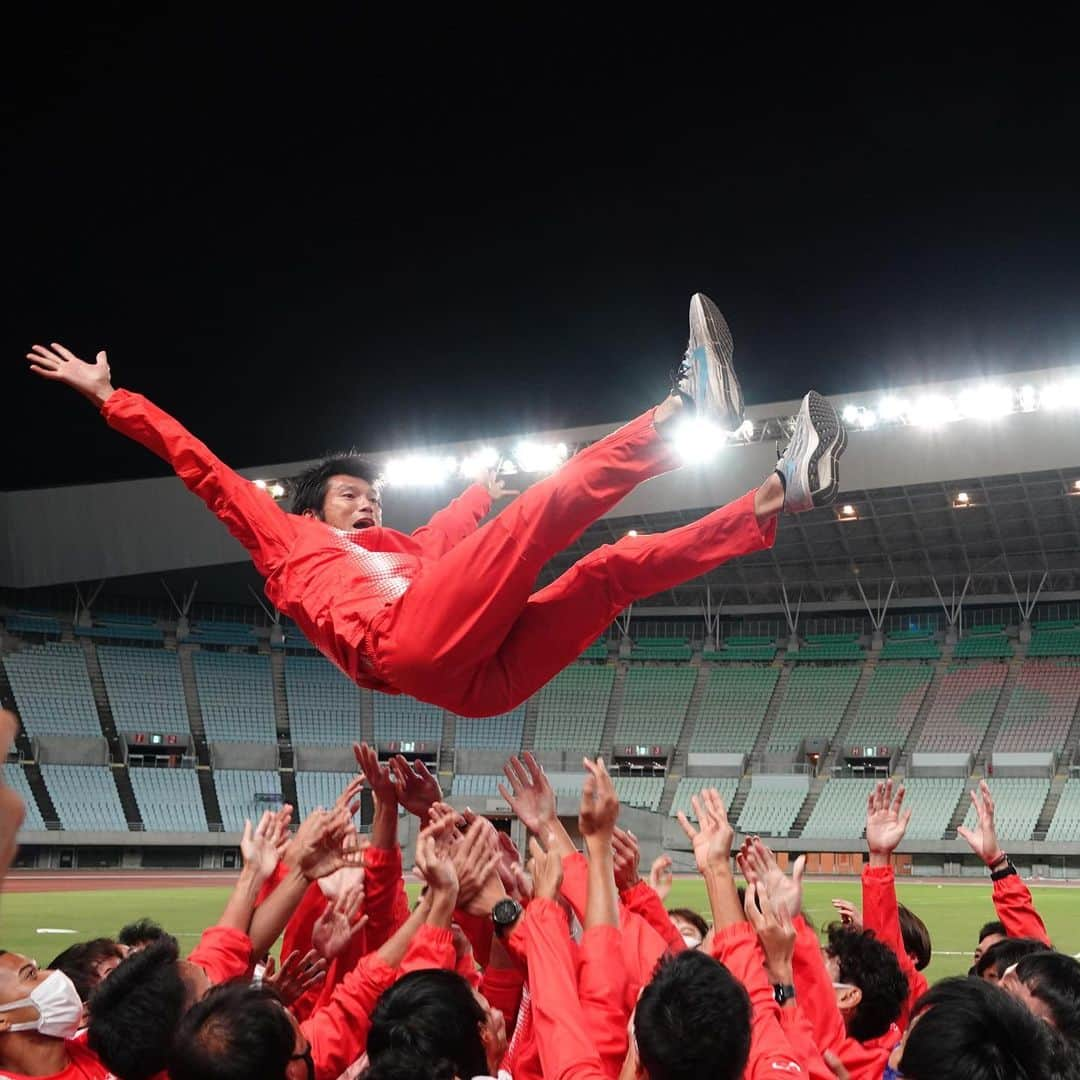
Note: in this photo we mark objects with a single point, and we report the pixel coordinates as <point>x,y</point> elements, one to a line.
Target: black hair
<point>1054,979</point>
<point>408,1065</point>
<point>142,932</point>
<point>873,967</point>
<point>134,1012</point>
<point>431,1015</point>
<point>79,963</point>
<point>916,937</point>
<point>310,486</point>
<point>235,1032</point>
<point>692,917</point>
<point>692,1020</point>
<point>993,927</point>
<point>968,1029</point>
<point>1003,954</point>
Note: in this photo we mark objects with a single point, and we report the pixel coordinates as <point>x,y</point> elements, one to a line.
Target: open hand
<point>258,846</point>
<point>599,809</point>
<point>627,857</point>
<point>983,840</point>
<point>417,789</point>
<point>61,365</point>
<point>530,796</point>
<point>759,866</point>
<point>339,923</point>
<point>298,975</point>
<point>713,837</point>
<point>545,868</point>
<point>660,876</point>
<point>886,820</point>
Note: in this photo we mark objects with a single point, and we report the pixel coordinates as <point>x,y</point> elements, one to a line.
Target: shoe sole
<point>822,468</point>
<point>711,349</point>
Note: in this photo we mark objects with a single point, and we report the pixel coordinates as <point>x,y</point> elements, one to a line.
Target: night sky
<point>307,232</point>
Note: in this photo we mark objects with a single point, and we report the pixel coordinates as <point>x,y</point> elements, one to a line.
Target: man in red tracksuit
<point>448,614</point>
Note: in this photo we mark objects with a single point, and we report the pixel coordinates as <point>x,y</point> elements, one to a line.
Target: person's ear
<point>849,998</point>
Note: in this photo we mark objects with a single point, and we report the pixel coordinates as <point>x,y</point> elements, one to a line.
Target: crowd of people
<point>555,962</point>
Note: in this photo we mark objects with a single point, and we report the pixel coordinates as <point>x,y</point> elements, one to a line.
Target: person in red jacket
<point>1012,898</point>
<point>448,614</point>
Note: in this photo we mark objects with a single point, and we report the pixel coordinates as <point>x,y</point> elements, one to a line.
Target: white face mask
<point>692,941</point>
<point>59,1008</point>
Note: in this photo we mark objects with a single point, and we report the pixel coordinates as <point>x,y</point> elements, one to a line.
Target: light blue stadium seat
<point>145,690</point>
<point>85,797</point>
<point>52,690</point>
<point>169,799</point>
<point>324,706</point>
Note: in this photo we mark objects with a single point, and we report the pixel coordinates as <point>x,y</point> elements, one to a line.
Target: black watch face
<point>504,912</point>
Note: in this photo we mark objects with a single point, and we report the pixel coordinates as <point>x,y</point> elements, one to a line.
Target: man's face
<point>18,977</point>
<point>493,1033</point>
<point>351,503</point>
<point>986,943</point>
<point>690,933</point>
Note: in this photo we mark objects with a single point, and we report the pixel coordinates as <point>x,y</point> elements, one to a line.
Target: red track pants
<point>468,636</point>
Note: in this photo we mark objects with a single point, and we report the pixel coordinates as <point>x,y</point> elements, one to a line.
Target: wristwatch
<point>504,914</point>
<point>783,993</point>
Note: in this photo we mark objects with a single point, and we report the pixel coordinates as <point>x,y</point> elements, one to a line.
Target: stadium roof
<point>908,538</point>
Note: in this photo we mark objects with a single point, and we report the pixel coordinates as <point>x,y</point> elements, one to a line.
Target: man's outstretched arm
<point>249,513</point>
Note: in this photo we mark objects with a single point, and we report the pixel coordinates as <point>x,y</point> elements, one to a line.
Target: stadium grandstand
<point>926,627</point>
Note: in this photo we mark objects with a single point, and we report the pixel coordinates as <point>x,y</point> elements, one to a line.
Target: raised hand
<point>545,868</point>
<point>317,849</point>
<point>417,789</point>
<point>660,876</point>
<point>713,837</point>
<point>983,840</point>
<point>772,923</point>
<point>61,365</point>
<point>349,799</point>
<point>298,975</point>
<point>282,821</point>
<point>530,796</point>
<point>379,777</point>
<point>886,820</point>
<point>627,857</point>
<point>338,924</point>
<point>334,885</point>
<point>258,846</point>
<point>476,861</point>
<point>759,866</point>
<point>850,915</point>
<point>599,809</point>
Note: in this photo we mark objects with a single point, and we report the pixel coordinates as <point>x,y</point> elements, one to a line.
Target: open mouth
<point>363,522</point>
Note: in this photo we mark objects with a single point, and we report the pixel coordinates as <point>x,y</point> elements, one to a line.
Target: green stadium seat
<point>654,705</point>
<point>732,709</point>
<point>570,710</point>
<point>813,705</point>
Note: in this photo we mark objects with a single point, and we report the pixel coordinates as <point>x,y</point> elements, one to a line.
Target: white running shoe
<point>706,377</point>
<point>809,464</point>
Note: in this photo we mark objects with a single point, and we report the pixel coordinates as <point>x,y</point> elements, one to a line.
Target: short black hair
<point>916,937</point>
<point>431,1015</point>
<point>142,932</point>
<point>309,488</point>
<point>969,1029</point>
<point>407,1065</point>
<point>134,1012</point>
<point>993,927</point>
<point>1054,979</point>
<point>692,1020</point>
<point>1003,954</point>
<point>692,917</point>
<point>873,967</point>
<point>236,1031</point>
<point>80,961</point>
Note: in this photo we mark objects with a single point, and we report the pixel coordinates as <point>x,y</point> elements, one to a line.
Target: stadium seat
<point>491,733</point>
<point>911,645</point>
<point>773,804</point>
<point>570,710</point>
<point>324,706</point>
<point>85,797</point>
<point>961,712</point>
<point>1041,709</point>
<point>1065,827</point>
<point>52,690</point>
<point>692,785</point>
<point>670,649</point>
<point>654,705</point>
<point>813,705</point>
<point>238,791</point>
<point>993,645</point>
<point>889,706</point>
<point>399,718</point>
<point>236,697</point>
<point>15,779</point>
<point>932,801</point>
<point>732,709</point>
<point>315,789</point>
<point>643,792</point>
<point>731,652</point>
<point>1018,802</point>
<point>1054,640</point>
<point>840,810</point>
<point>169,799</point>
<point>145,690</point>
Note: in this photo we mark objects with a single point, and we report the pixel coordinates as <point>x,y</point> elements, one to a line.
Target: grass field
<point>953,912</point>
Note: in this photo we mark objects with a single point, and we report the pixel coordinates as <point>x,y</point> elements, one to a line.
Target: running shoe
<point>705,378</point>
<point>809,464</point>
